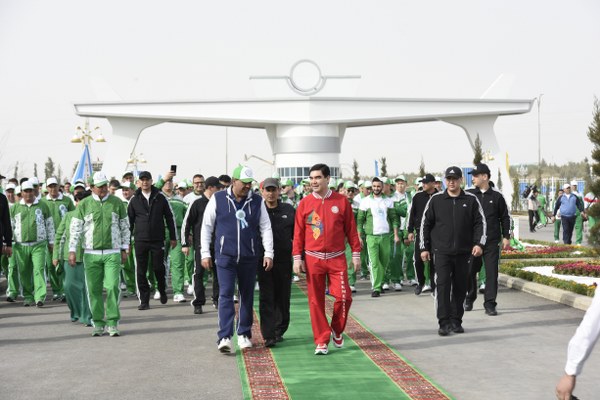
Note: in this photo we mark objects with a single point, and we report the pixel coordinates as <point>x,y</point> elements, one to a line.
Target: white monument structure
<point>305,130</point>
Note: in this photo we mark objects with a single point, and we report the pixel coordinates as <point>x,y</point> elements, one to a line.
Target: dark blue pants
<point>228,269</point>
<point>568,223</point>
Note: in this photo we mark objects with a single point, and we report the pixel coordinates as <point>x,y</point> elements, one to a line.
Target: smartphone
<point>174,169</point>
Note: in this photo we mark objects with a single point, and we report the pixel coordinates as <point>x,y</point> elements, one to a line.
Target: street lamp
<point>539,102</point>
<point>134,160</point>
<point>84,135</point>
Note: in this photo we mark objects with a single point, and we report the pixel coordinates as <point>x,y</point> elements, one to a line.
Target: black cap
<point>213,181</point>
<point>428,178</point>
<point>453,172</point>
<point>145,175</point>
<point>480,169</point>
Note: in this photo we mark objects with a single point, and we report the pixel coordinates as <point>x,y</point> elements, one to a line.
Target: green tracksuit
<point>176,257</point>
<point>102,228</point>
<point>74,282</point>
<point>375,217</point>
<point>58,209</point>
<point>578,222</point>
<point>33,231</point>
<point>348,253</point>
<point>542,209</point>
<point>128,271</point>
<point>396,264</point>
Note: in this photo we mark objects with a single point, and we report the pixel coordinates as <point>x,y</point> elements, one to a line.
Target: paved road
<point>545,233</point>
<point>169,353</point>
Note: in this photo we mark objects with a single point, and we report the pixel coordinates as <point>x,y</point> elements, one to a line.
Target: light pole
<point>134,160</point>
<point>85,167</point>
<point>539,102</point>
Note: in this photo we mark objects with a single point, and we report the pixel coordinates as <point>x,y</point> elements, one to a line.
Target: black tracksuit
<point>451,226</point>
<point>417,207</point>
<point>275,285</point>
<point>498,226</point>
<point>192,224</point>
<point>5,225</point>
<point>147,220</point>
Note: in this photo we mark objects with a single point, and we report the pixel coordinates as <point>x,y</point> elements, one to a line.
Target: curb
<point>574,300</point>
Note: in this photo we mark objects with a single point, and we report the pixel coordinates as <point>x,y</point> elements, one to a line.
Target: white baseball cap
<point>27,185</point>
<point>51,181</point>
<point>34,181</point>
<point>11,186</point>
<point>100,179</point>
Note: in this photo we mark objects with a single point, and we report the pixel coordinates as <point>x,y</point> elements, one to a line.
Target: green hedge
<point>515,268</point>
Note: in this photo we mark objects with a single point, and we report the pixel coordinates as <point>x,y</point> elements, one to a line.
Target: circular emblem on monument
<point>335,209</point>
<point>306,78</point>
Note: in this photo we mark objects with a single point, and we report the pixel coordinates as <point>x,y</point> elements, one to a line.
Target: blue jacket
<point>236,226</point>
<point>568,206</point>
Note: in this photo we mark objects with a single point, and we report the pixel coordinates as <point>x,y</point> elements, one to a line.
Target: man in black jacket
<point>452,231</point>
<point>417,208</point>
<point>498,227</point>
<point>192,225</point>
<point>148,211</point>
<point>276,284</point>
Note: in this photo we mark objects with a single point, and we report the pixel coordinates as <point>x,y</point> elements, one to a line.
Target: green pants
<point>591,222</point>
<point>102,271</point>
<point>542,216</point>
<point>177,266</point>
<point>408,264</point>
<point>128,273</point>
<point>30,262</point>
<point>55,276</point>
<point>12,277</point>
<point>351,273</point>
<point>578,228</point>
<point>76,293</point>
<point>556,229</point>
<point>364,259</point>
<point>4,265</point>
<point>378,247</point>
<point>394,266</point>
<point>189,265</point>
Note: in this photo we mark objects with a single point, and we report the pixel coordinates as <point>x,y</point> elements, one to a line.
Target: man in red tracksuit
<point>324,220</point>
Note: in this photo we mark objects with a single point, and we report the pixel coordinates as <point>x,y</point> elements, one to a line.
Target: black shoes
<point>468,306</point>
<point>491,311</point>
<point>458,329</point>
<point>163,298</point>
<point>10,299</point>
<point>197,309</point>
<point>270,342</point>
<point>418,289</point>
<point>375,293</point>
<point>39,304</point>
<point>279,339</point>
<point>143,307</point>
<point>444,331</point>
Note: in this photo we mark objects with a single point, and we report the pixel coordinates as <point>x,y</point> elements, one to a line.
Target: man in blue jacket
<point>568,204</point>
<point>236,216</point>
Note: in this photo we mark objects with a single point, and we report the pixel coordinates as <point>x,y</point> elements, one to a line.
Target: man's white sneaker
<point>224,345</point>
<point>244,342</point>
<point>157,295</point>
<point>482,288</point>
<point>321,349</point>
<point>426,288</point>
<point>353,289</point>
<point>397,287</point>
<point>179,298</point>
<point>338,341</point>
<point>385,286</point>
<point>256,287</point>
<point>190,290</point>
<point>235,298</point>
<point>296,278</point>
<point>413,282</point>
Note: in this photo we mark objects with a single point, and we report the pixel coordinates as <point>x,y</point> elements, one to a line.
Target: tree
<point>16,173</point>
<point>499,183</point>
<point>49,168</point>
<point>35,170</point>
<point>422,168</point>
<point>478,153</point>
<point>594,136</point>
<point>356,176</point>
<point>516,195</point>
<point>59,174</point>
<point>383,167</point>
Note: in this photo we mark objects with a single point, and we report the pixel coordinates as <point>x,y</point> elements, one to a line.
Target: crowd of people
<point>98,240</point>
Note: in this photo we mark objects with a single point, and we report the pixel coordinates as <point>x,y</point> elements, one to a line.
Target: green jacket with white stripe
<point>31,222</point>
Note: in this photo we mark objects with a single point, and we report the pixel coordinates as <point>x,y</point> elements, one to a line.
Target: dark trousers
<point>533,219</point>
<point>568,223</point>
<point>142,252</point>
<point>275,291</point>
<point>451,287</point>
<point>490,258</point>
<point>228,269</point>
<point>420,267</point>
<point>198,281</point>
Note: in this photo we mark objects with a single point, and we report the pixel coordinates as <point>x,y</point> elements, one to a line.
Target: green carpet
<point>344,373</point>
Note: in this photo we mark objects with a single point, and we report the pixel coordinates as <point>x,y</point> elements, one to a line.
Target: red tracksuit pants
<point>317,273</point>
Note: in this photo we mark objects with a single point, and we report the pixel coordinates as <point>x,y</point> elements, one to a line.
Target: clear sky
<point>51,52</point>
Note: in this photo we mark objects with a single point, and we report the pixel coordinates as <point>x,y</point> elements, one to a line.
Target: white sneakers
<point>385,286</point>
<point>426,288</point>
<point>244,342</point>
<point>296,278</point>
<point>190,289</point>
<point>321,349</point>
<point>179,298</point>
<point>157,295</point>
<point>224,345</point>
<point>397,287</point>
<point>353,289</point>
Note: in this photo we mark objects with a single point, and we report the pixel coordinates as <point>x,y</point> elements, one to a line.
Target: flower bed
<point>515,268</point>
<point>579,268</point>
<point>541,249</point>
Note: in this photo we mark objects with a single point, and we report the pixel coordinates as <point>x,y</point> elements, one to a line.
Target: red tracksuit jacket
<point>322,226</point>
